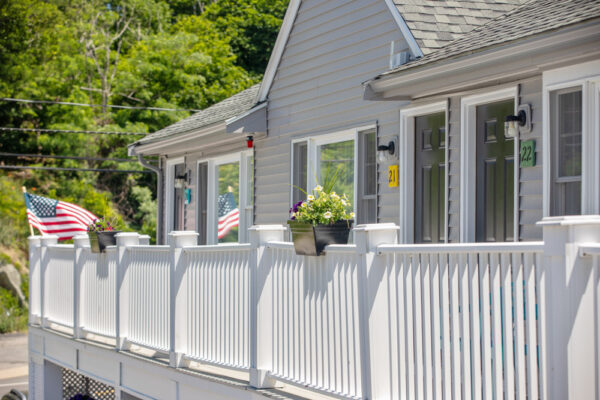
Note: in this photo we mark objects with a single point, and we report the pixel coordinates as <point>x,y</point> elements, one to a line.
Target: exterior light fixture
<point>383,151</point>
<point>522,120</point>
<point>249,141</point>
<point>180,181</point>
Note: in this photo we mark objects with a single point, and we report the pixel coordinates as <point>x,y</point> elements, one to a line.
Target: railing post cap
<point>369,236</point>
<point>127,238</point>
<point>387,226</point>
<point>81,241</point>
<point>183,238</point>
<point>261,234</point>
<point>144,240</point>
<point>49,240</point>
<point>570,220</point>
<point>34,240</point>
<point>557,231</point>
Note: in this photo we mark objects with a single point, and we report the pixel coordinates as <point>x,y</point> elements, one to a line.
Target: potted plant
<point>101,234</point>
<point>320,220</point>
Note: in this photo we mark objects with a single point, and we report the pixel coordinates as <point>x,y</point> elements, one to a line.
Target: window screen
<point>566,126</point>
<point>367,178</point>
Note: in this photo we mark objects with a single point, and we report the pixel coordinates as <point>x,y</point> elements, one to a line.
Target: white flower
<point>319,188</point>
<point>351,215</point>
<point>304,205</point>
<point>327,215</point>
<point>344,202</point>
<point>294,214</point>
<point>311,197</point>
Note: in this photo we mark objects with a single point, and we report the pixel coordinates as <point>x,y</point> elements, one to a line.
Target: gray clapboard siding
<point>333,47</point>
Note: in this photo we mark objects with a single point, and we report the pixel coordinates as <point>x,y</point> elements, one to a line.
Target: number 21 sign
<point>527,153</point>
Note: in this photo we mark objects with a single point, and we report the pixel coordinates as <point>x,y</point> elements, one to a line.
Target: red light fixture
<point>249,141</point>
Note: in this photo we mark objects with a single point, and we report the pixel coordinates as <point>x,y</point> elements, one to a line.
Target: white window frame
<point>170,191</point>
<point>468,160</point>
<point>406,154</point>
<point>318,140</point>
<point>585,76</point>
<point>213,163</point>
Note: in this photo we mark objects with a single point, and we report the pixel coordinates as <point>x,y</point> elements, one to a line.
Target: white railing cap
<point>34,240</point>
<point>377,227</point>
<point>81,241</point>
<point>267,228</point>
<point>49,240</point>
<point>570,220</point>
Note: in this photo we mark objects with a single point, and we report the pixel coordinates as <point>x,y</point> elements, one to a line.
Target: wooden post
<point>30,227</point>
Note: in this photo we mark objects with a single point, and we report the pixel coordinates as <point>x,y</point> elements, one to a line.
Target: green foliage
<point>174,54</point>
<point>12,317</point>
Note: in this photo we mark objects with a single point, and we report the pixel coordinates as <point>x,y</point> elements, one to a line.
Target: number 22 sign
<point>527,153</point>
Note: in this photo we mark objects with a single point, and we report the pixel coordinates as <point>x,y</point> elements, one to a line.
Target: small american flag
<point>229,215</point>
<point>53,217</point>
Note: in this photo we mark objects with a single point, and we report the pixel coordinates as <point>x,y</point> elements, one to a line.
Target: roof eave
<point>526,57</point>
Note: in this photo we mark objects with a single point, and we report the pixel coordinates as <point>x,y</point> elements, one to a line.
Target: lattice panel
<point>75,384</point>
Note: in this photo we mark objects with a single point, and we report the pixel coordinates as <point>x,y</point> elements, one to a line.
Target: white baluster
<point>79,242</point>
<point>44,260</point>
<point>124,240</point>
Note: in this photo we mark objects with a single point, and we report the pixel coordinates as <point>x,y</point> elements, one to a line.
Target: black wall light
<point>384,150</point>
<point>514,122</point>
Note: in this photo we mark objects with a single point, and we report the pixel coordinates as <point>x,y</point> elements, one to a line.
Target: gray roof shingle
<point>435,23</point>
<point>220,112</point>
<point>531,18</point>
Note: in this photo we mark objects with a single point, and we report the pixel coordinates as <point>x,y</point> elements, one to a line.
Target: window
<point>566,132</point>
<point>571,141</point>
<point>318,156</point>
<point>225,198</point>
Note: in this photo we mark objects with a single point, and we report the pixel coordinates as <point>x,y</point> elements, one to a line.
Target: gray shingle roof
<point>435,23</point>
<point>220,112</point>
<point>531,18</point>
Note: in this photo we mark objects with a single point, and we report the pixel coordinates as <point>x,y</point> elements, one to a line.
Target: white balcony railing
<point>371,320</point>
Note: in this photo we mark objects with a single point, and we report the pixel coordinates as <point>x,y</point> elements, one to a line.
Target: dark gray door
<point>430,182</point>
<point>495,174</point>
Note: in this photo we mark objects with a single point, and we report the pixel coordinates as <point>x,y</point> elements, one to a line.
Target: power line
<point>10,129</point>
<point>68,103</point>
<point>123,171</point>
<point>66,157</point>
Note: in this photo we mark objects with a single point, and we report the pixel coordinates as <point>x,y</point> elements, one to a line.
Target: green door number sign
<point>527,153</point>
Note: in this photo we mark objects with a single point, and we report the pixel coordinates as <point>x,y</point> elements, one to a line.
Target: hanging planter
<point>102,235</point>
<point>310,240</point>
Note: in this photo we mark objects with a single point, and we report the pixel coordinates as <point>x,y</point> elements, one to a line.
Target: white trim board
<point>406,153</point>
<point>468,153</point>
<point>169,188</point>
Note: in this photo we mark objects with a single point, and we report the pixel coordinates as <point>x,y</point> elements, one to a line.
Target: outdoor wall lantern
<point>513,122</point>
<point>385,151</point>
<point>180,181</point>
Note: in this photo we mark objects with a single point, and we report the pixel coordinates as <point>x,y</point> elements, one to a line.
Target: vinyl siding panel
<point>333,47</point>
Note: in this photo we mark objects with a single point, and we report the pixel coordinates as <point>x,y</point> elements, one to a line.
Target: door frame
<point>406,153</point>
<point>468,160</point>
<point>169,191</point>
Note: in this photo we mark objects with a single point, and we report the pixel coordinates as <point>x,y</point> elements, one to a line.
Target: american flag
<point>229,215</point>
<point>53,217</point>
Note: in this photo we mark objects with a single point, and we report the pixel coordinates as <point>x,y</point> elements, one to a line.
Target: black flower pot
<point>310,240</point>
<point>100,240</point>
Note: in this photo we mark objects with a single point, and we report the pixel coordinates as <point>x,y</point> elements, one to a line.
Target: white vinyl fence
<point>375,319</point>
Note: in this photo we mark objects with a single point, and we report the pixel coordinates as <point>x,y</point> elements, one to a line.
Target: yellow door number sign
<point>393,176</point>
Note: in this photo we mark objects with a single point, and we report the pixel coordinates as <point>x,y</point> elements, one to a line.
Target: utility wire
<point>68,103</point>
<point>10,129</point>
<point>66,157</point>
<point>123,171</point>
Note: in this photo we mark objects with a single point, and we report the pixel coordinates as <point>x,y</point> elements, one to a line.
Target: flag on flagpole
<point>54,217</point>
<point>229,215</point>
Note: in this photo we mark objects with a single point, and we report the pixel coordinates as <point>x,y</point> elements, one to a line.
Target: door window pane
<point>338,155</point>
<point>366,209</point>
<point>566,133</point>
<point>178,200</point>
<point>227,202</point>
<point>299,178</point>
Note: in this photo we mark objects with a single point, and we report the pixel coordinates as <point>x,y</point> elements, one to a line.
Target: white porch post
<point>374,309</point>
<point>261,318</point>
<point>79,242</point>
<point>44,259</point>
<point>124,240</point>
<point>34,279</point>
<point>179,301</point>
<point>569,312</point>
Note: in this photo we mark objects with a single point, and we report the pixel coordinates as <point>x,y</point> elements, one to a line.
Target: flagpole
<point>30,227</point>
